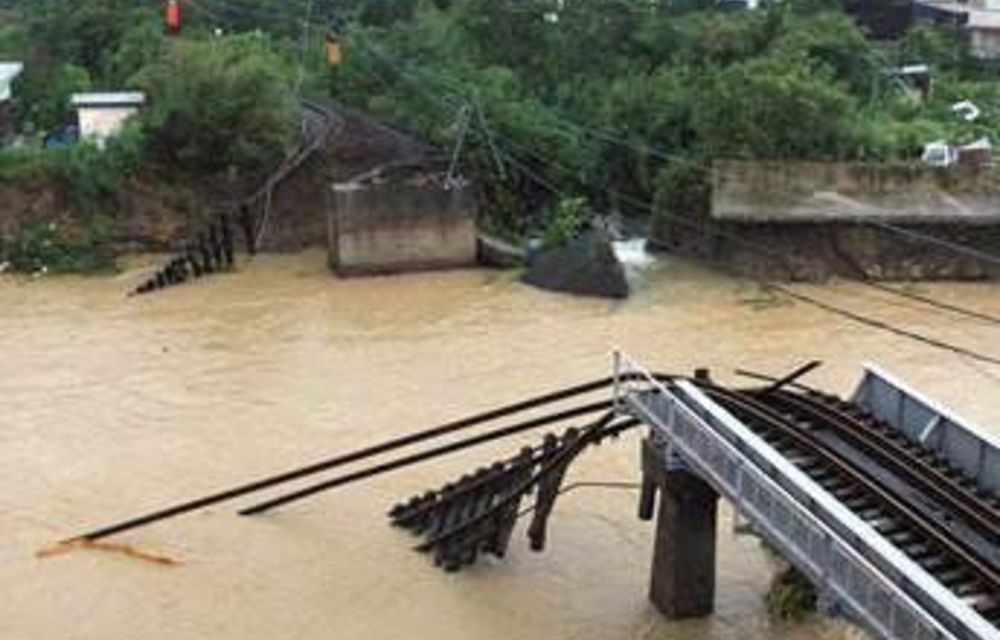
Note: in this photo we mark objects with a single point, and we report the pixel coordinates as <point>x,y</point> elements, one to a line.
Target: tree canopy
<point>605,97</point>
<point>610,100</point>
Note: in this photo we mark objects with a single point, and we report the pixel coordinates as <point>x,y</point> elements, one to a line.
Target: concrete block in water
<point>584,266</point>
<point>391,227</point>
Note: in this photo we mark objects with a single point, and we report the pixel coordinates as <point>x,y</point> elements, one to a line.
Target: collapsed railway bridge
<point>887,503</point>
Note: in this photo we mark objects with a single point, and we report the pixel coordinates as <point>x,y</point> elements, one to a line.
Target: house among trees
<point>979,19</point>
<point>102,115</point>
<point>9,71</point>
<point>886,20</point>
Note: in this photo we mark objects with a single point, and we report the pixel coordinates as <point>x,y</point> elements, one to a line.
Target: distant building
<point>979,19</point>
<point>102,115</point>
<point>9,71</point>
<point>882,20</point>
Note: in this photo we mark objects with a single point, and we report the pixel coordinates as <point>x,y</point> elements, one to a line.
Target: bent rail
<point>212,251</point>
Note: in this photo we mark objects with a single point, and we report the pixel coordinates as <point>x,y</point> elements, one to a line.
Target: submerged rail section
<point>856,569</point>
<point>212,250</point>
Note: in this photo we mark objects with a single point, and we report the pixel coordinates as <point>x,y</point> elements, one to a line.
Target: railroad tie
<point>246,222</point>
<point>479,503</point>
<point>437,520</point>
<point>203,255</point>
<point>456,549</point>
<point>189,257</point>
<point>451,505</point>
<point>226,234</point>
<point>506,518</point>
<point>548,486</point>
<point>215,244</point>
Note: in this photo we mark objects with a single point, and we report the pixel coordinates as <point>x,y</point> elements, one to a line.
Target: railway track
<point>910,496</point>
<point>212,250</point>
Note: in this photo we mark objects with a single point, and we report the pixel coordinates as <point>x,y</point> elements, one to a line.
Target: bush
<point>45,246</point>
<point>88,181</point>
<point>42,96</point>
<point>219,105</point>
<point>569,220</point>
<point>89,178</point>
<point>86,34</point>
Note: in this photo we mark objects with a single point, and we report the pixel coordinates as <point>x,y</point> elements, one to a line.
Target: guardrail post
<point>682,584</point>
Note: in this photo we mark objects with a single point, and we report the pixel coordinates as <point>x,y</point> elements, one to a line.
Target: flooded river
<point>110,407</point>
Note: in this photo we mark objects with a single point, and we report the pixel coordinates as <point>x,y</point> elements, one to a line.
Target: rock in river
<point>584,266</point>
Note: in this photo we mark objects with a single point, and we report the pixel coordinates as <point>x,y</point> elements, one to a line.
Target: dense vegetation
<point>558,108</point>
<point>219,106</point>
<point>626,102</point>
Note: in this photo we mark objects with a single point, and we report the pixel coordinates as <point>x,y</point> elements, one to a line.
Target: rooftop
<point>108,99</point>
<point>972,17</point>
<point>8,71</point>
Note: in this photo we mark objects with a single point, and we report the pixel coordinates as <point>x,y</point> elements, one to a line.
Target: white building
<point>980,19</point>
<point>8,72</point>
<point>102,115</point>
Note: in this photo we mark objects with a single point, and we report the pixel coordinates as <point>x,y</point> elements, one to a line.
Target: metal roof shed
<point>102,115</point>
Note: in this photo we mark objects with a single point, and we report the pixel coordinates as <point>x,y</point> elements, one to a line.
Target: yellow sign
<point>334,51</point>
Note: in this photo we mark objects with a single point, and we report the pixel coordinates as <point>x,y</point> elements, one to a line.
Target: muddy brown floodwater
<point>112,406</point>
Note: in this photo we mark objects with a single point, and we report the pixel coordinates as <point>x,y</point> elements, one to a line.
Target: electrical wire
<point>626,486</point>
<point>657,152</point>
<point>955,247</point>
<point>757,247</point>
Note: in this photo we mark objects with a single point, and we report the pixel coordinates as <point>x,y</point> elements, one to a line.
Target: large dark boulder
<point>584,266</point>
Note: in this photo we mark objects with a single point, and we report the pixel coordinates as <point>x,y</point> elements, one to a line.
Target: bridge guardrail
<point>829,543</point>
<point>924,421</point>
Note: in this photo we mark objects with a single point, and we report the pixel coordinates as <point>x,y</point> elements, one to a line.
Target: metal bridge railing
<point>926,422</point>
<point>826,541</point>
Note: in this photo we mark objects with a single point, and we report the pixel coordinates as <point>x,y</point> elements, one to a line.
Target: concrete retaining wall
<point>388,228</point>
<point>811,221</point>
<point>794,192</point>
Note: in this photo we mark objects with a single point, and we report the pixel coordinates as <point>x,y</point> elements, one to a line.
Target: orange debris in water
<point>60,548</point>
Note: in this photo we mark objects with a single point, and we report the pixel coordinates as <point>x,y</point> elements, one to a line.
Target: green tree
<point>219,105</point>
<point>87,33</point>
<point>776,108</point>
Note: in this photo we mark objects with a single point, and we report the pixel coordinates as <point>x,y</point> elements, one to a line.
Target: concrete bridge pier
<point>682,584</point>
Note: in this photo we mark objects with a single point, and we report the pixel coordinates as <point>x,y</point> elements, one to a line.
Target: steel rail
<point>894,456</point>
<point>423,456</point>
<point>741,404</point>
<point>347,458</point>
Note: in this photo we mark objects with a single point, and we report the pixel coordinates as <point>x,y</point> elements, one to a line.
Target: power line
<point>944,306</point>
<point>884,326</point>
<point>955,247</point>
<point>760,248</point>
<point>571,127</point>
<point>856,317</point>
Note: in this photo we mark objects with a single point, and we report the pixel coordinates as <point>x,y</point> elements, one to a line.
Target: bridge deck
<point>866,533</point>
